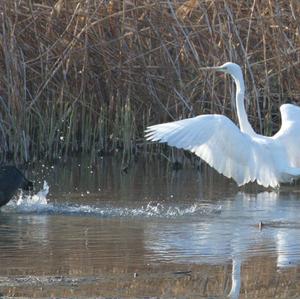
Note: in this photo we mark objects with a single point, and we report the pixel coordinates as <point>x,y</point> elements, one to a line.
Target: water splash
<point>160,210</point>
<point>39,204</point>
<point>38,199</point>
<point>150,210</point>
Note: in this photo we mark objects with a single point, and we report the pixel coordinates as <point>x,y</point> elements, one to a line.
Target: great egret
<point>240,154</point>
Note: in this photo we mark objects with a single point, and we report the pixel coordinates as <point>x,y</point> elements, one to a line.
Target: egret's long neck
<point>240,106</point>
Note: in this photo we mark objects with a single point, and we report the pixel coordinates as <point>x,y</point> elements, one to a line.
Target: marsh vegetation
<point>89,76</point>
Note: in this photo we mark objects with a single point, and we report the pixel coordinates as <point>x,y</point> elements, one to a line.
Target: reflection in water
<point>235,279</point>
<point>232,233</point>
<point>151,232</point>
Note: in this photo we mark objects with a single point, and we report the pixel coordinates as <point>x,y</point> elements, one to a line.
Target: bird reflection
<point>233,236</point>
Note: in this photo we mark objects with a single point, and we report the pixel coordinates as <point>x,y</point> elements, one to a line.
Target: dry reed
<point>89,76</point>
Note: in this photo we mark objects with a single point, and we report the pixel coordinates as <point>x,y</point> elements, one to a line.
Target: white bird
<point>240,154</point>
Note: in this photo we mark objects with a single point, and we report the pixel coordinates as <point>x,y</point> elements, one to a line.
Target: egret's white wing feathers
<point>289,133</point>
<point>220,143</point>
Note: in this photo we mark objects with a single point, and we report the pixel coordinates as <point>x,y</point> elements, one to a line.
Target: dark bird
<point>12,179</point>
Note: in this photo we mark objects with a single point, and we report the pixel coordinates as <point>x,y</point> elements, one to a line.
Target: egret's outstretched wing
<point>219,142</point>
<point>289,133</point>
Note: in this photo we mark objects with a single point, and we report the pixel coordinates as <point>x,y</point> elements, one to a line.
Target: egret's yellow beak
<point>213,68</point>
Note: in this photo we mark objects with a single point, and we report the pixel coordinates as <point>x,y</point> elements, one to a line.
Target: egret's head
<point>230,68</point>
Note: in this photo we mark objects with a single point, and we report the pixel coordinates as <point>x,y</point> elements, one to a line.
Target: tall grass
<point>89,75</point>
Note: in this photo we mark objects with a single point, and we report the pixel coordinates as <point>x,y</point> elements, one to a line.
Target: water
<point>149,232</point>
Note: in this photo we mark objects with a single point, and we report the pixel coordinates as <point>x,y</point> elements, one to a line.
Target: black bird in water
<point>12,179</point>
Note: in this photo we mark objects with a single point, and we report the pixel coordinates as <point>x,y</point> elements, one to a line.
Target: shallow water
<point>149,232</point>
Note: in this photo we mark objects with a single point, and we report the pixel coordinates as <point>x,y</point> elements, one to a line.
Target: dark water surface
<point>149,232</point>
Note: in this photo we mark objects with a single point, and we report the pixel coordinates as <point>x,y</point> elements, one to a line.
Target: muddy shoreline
<point>161,281</point>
